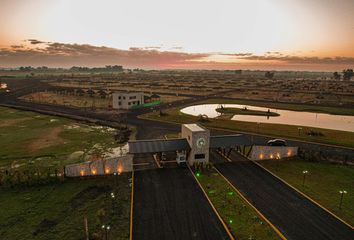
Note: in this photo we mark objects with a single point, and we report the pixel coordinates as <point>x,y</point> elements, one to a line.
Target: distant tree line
<point>107,68</point>
<point>347,75</point>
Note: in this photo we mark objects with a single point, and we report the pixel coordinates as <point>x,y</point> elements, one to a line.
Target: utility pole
<point>86,228</point>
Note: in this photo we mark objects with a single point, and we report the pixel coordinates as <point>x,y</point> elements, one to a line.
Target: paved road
<point>168,204</point>
<point>295,216</point>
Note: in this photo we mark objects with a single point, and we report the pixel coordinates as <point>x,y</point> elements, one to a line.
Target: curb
<point>212,206</point>
<point>131,209</point>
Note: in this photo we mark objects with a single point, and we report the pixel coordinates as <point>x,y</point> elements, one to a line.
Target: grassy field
<point>57,210</point>
<point>27,136</point>
<point>334,137</point>
<point>322,184</point>
<point>242,220</point>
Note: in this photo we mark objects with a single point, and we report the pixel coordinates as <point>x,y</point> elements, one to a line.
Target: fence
<point>272,152</point>
<point>100,167</point>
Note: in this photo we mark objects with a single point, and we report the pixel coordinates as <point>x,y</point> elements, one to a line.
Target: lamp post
<point>341,192</point>
<point>106,229</point>
<point>305,172</point>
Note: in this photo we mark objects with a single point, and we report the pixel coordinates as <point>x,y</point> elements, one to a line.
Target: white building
<point>198,139</point>
<point>126,100</point>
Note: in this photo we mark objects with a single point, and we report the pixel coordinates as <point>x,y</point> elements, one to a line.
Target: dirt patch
<point>44,226</point>
<point>88,194</point>
<point>11,122</point>
<point>50,138</point>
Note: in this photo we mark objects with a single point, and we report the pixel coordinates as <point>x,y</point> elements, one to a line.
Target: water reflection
<point>319,120</point>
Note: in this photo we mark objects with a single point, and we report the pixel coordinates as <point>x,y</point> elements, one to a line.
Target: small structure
<point>198,139</point>
<point>155,97</point>
<point>126,100</point>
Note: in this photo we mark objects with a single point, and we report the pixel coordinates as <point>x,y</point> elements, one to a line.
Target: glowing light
<point>289,153</point>
<point>198,174</point>
<point>82,172</point>
<point>107,170</point>
<point>230,193</point>
<point>93,171</point>
<point>230,221</point>
<point>261,156</point>
<point>271,156</point>
<point>119,169</point>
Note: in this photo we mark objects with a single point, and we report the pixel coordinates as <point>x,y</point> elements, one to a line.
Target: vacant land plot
<point>322,184</point>
<point>241,219</point>
<point>57,210</point>
<point>83,101</point>
<point>27,137</point>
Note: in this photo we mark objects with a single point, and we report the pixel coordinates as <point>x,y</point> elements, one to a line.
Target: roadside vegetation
<point>323,182</point>
<point>319,135</point>
<point>241,219</point>
<point>57,210</point>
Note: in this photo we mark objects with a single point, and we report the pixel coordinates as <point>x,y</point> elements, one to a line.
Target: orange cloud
<point>55,54</point>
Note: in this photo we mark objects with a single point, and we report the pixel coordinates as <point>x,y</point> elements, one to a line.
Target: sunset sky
<point>190,34</point>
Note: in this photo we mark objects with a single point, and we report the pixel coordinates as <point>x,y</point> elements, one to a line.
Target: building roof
<point>226,141</point>
<point>194,127</point>
<point>158,145</point>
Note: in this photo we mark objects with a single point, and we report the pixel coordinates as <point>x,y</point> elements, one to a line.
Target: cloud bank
<point>54,54</point>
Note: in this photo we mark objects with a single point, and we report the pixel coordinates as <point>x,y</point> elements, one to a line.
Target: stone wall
<point>100,167</point>
<point>272,152</point>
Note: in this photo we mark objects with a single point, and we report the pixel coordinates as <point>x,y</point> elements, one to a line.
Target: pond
<point>309,119</point>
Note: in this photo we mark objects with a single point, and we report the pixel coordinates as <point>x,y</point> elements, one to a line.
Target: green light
<point>212,191</point>
<point>230,193</point>
<point>230,221</point>
<point>198,174</point>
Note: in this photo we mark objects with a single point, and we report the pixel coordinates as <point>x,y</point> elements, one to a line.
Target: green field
<point>57,210</point>
<point>328,136</point>
<point>241,219</point>
<point>27,137</point>
<point>322,184</point>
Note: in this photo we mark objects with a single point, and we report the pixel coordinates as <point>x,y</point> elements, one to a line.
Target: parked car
<point>276,142</point>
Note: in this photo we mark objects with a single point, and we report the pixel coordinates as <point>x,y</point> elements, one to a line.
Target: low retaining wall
<point>272,152</point>
<point>100,167</point>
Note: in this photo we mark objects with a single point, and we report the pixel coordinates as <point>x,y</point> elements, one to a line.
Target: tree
<point>348,74</point>
<point>269,75</point>
<point>336,76</point>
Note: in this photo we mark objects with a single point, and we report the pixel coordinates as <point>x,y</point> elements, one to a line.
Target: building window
<point>189,137</point>
<point>119,97</point>
<point>199,156</point>
<point>124,98</point>
<point>119,103</point>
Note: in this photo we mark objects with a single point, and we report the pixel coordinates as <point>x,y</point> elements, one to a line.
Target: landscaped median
<point>241,219</point>
<point>322,183</point>
<point>326,136</point>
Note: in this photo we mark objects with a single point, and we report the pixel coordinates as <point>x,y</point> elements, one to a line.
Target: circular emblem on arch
<point>201,142</point>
